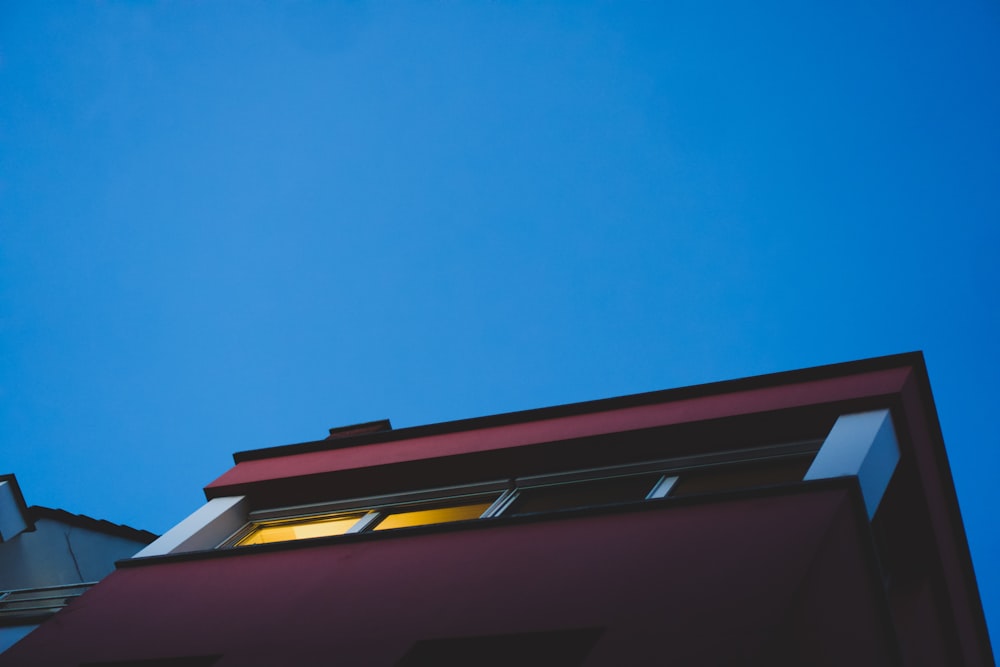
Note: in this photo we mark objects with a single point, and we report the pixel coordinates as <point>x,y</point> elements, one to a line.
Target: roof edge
<point>37,512</point>
<point>913,359</point>
<point>958,536</point>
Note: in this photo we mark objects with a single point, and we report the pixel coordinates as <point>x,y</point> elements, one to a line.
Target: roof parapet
<point>376,426</point>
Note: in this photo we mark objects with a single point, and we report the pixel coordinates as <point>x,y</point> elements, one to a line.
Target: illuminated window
<point>627,483</point>
<point>300,529</point>
<point>404,511</point>
<point>423,517</point>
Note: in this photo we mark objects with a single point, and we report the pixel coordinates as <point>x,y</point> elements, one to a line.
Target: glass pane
<point>424,517</point>
<point>583,494</point>
<point>742,476</point>
<point>302,529</point>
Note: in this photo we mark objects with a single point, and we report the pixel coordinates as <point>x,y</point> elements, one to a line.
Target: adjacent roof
<point>35,512</point>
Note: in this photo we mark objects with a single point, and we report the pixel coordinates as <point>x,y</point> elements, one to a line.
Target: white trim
<point>864,445</point>
<point>500,505</point>
<point>206,528</point>
<point>662,487</point>
<point>365,522</point>
<point>11,520</point>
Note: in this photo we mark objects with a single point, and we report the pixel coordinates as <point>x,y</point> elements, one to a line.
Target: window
<point>743,476</point>
<point>633,482</point>
<point>423,517</point>
<point>377,514</point>
<point>567,495</point>
<point>301,529</point>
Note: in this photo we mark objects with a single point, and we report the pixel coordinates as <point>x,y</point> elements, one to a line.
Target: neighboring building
<point>802,518</point>
<point>48,557</point>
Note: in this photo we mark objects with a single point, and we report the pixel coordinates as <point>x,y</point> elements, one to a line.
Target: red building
<point>802,518</point>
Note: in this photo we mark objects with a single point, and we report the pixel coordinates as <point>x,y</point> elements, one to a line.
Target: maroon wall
<point>777,579</point>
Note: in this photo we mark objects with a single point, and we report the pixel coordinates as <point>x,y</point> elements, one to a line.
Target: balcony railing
<point>39,601</point>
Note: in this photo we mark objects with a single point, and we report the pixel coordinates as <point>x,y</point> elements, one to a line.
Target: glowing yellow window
<point>301,529</point>
<point>423,517</point>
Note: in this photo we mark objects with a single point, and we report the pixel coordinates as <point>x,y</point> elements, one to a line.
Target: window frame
<point>372,508</point>
<point>505,492</point>
<point>670,469</point>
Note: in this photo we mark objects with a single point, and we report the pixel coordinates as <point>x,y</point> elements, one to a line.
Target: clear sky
<point>226,226</point>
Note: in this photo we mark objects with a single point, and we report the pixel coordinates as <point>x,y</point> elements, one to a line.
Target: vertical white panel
<point>11,519</point>
<point>863,445</point>
<point>662,487</point>
<point>206,528</point>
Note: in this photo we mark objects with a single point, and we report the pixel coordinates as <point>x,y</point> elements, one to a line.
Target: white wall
<point>58,553</point>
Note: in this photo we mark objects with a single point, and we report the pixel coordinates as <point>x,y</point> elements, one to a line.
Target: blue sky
<point>226,226</point>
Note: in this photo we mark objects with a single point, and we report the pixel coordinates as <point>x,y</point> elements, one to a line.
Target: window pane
<point>428,516</point>
<point>302,529</point>
<point>742,476</point>
<point>583,494</point>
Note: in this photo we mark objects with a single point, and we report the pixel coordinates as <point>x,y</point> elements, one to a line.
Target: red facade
<point>744,561</point>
